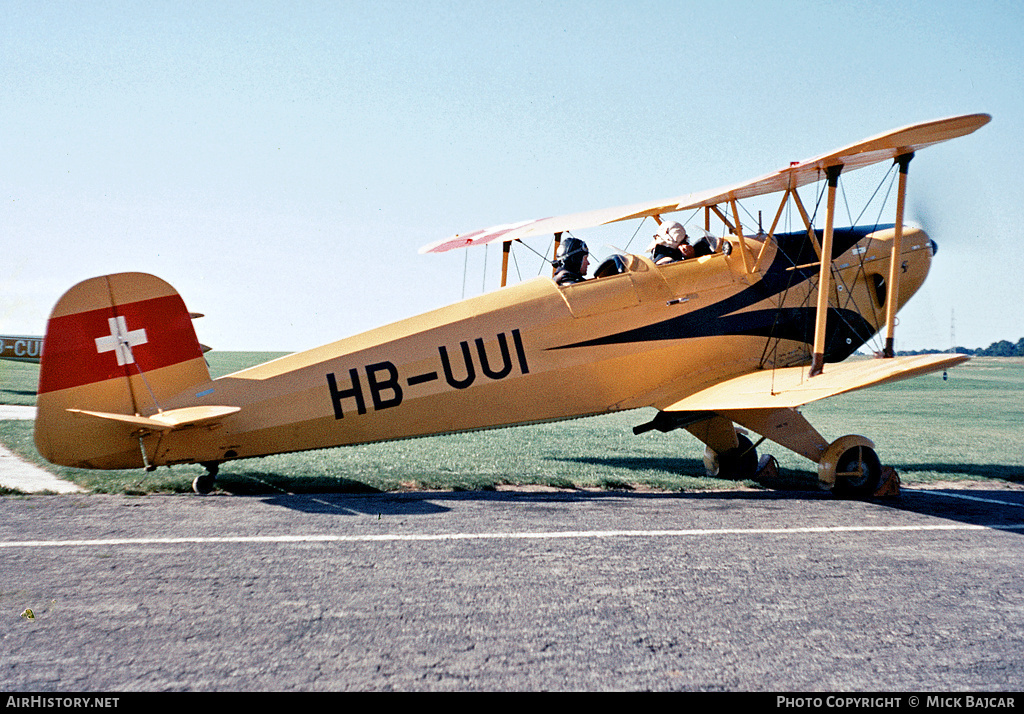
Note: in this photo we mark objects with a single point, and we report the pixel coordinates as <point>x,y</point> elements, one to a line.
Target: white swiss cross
<point>120,340</point>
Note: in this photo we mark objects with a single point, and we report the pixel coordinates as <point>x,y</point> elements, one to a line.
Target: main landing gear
<point>849,465</point>
<point>203,484</point>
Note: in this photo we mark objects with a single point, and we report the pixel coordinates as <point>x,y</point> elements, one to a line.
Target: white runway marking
<point>965,497</point>
<point>549,535</point>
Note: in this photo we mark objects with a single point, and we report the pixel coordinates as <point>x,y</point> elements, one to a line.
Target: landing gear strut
<point>203,483</point>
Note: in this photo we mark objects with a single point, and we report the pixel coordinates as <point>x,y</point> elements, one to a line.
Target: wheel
<point>858,473</point>
<point>740,462</point>
<point>203,483</point>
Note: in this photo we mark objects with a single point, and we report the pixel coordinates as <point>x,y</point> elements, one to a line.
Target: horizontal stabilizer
<point>790,387</point>
<point>166,421</point>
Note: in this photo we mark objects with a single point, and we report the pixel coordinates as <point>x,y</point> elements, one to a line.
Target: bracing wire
<point>626,249</point>
<point>891,175</point>
<point>747,211</point>
<point>515,261</point>
<point>850,299</point>
<point>465,272</point>
<point>885,201</point>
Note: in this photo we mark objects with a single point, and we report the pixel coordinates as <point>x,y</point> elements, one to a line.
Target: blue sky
<point>280,163</point>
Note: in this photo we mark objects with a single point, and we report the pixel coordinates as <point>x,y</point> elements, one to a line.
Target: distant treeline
<point>1003,348</point>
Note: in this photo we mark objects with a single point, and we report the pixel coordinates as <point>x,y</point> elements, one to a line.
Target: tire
<point>204,484</point>
<point>739,463</point>
<point>858,473</point>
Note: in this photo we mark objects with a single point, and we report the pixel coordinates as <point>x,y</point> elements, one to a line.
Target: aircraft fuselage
<point>538,352</point>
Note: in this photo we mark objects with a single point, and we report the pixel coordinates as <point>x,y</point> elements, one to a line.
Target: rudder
<point>120,344</point>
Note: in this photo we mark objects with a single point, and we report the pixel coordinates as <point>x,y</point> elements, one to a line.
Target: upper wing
<point>883,147</point>
<point>790,387</point>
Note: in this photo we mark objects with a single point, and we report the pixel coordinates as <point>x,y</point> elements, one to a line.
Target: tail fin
<point>119,344</point>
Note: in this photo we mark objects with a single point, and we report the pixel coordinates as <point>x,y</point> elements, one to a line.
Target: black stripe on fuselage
<point>844,335</point>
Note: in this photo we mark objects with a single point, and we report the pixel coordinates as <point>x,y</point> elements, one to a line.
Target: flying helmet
<point>570,255</point>
<point>670,234</point>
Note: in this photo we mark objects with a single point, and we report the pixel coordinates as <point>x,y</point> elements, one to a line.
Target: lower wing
<point>791,387</point>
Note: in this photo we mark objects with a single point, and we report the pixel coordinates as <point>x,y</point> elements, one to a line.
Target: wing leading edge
<point>886,146</point>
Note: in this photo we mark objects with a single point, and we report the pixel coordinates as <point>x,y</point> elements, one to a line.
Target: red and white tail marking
<point>121,341</point>
<point>117,341</point>
<point>119,348</point>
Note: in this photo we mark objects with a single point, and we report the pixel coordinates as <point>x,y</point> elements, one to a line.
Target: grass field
<point>967,428</point>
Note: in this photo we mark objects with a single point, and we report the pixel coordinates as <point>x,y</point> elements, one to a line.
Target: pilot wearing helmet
<point>670,244</point>
<point>572,262</point>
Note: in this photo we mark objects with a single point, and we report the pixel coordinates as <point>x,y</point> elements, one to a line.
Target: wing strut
<point>825,274</point>
<point>895,259</point>
<point>554,256</point>
<point>506,247</point>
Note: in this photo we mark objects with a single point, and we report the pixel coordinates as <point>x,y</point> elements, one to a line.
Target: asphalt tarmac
<point>513,591</point>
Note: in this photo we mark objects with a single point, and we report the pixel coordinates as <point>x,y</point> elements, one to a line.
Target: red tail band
<point>113,342</point>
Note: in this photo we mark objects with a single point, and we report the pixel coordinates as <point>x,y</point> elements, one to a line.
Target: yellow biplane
<point>731,341</point>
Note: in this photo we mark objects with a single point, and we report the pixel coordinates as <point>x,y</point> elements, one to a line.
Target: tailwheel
<point>735,464</point>
<point>203,484</point>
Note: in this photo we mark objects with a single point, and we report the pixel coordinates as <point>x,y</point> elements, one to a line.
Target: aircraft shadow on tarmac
<point>786,479</point>
<point>975,506</point>
<point>379,504</point>
<point>321,495</point>
<point>799,480</point>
